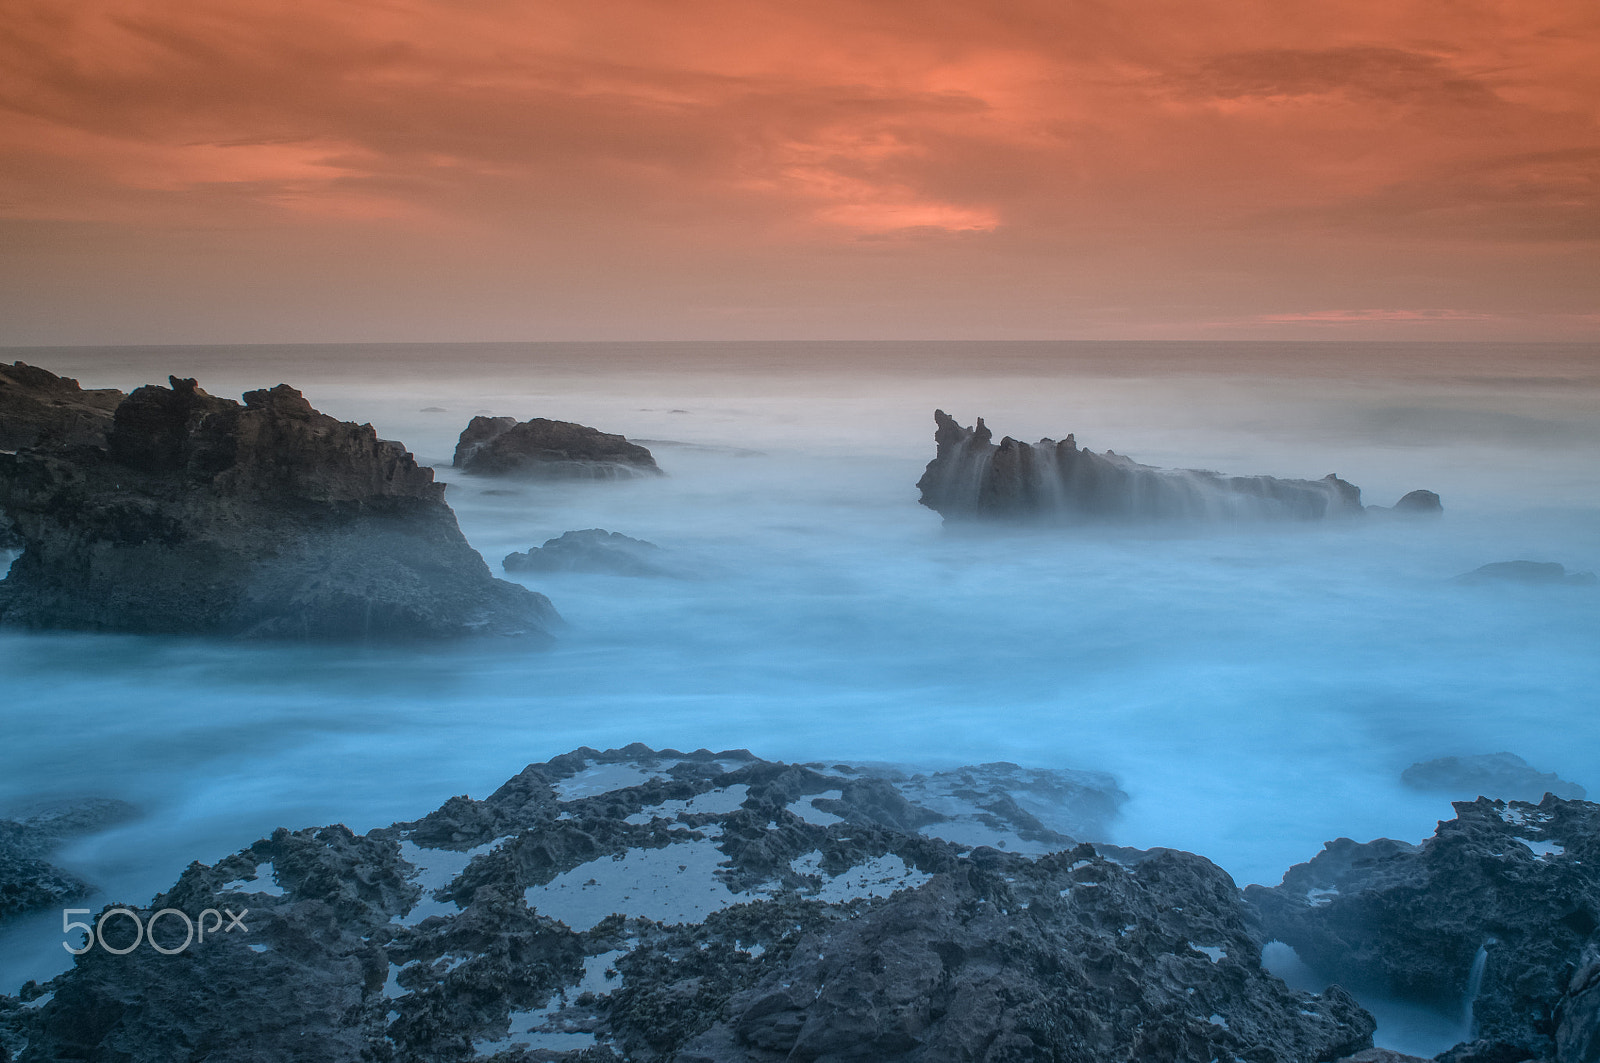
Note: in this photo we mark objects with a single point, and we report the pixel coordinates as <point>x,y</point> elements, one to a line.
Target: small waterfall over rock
<point>1480,963</point>
<point>971,476</point>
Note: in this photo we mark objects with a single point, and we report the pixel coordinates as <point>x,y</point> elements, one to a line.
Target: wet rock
<point>591,550</point>
<point>263,520</point>
<point>545,449</point>
<point>1067,957</point>
<point>38,408</point>
<point>28,881</point>
<point>1577,1017</point>
<point>1503,775</point>
<point>659,905</point>
<point>971,476</point>
<point>1518,881</point>
<point>1528,573</point>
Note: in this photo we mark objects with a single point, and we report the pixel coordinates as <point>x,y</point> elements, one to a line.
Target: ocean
<point>1256,690</point>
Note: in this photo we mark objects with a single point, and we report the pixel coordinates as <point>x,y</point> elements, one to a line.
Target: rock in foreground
<point>545,449</point>
<point>28,882</point>
<point>591,550</point>
<point>263,520</point>
<point>1493,919</point>
<point>696,907</point>
<point>971,476</point>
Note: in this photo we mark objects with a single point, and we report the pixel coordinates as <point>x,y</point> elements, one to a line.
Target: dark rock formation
<point>28,881</point>
<point>1520,882</point>
<point>690,907</point>
<point>1577,1018</point>
<point>1419,503</point>
<point>1531,573</point>
<point>1503,775</point>
<point>544,449</point>
<point>38,408</point>
<point>973,477</point>
<point>591,550</point>
<point>266,520</point>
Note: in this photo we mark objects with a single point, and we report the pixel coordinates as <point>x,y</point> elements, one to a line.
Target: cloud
<point>1235,155</point>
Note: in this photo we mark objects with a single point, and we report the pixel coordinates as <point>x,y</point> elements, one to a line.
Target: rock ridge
<point>203,516</point>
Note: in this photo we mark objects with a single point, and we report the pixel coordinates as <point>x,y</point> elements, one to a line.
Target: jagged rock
<point>545,449</point>
<point>973,477</point>
<point>1419,503</point>
<point>1519,881</point>
<point>1577,1017</point>
<point>1531,573</point>
<point>1504,775</point>
<point>662,906</point>
<point>591,550</point>
<point>28,881</point>
<point>38,408</point>
<point>266,520</point>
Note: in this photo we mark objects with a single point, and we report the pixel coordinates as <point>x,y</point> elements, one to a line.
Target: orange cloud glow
<point>532,169</point>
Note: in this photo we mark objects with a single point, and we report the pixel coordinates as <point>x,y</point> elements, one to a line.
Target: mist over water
<point>1255,689</point>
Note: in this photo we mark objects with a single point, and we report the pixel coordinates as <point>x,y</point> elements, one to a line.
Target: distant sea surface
<point>1256,690</point>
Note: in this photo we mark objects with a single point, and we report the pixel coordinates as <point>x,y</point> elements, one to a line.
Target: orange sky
<point>302,170</point>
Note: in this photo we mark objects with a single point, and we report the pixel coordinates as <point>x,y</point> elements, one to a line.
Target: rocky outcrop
<point>28,881</point>
<point>971,476</point>
<point>1420,504</point>
<point>38,408</point>
<point>544,449</point>
<point>1494,919</point>
<point>657,906</point>
<point>203,516</point>
<point>1503,775</point>
<point>592,550</point>
<point>1529,573</point>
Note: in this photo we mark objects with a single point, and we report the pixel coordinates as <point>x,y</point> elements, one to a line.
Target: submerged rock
<point>1503,775</point>
<point>545,449</point>
<point>1531,573</point>
<point>656,906</point>
<point>973,477</point>
<point>263,520</point>
<point>1492,920</point>
<point>591,550</point>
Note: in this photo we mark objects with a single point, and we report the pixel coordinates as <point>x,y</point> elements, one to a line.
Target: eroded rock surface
<point>200,515</point>
<point>656,906</point>
<point>28,881</point>
<point>39,408</point>
<point>971,476</point>
<point>545,449</point>
<point>1518,881</point>
<point>590,550</point>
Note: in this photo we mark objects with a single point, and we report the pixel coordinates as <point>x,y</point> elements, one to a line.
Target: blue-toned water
<point>1256,690</point>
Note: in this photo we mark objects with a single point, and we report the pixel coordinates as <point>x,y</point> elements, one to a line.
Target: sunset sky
<point>305,170</point>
